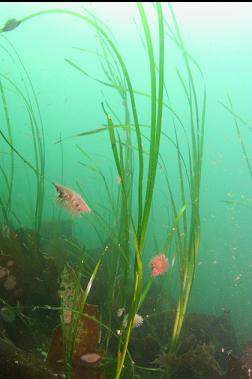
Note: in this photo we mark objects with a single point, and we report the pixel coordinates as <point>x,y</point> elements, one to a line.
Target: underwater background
<point>60,60</point>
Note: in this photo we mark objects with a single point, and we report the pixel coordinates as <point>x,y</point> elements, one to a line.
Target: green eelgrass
<point>123,67</point>
<point>238,119</point>
<point>188,246</point>
<point>117,81</point>
<point>77,310</point>
<point>117,256</point>
<point>38,169</point>
<point>38,138</point>
<point>32,106</point>
<point>168,242</point>
<point>123,159</point>
<point>139,234</point>
<point>9,182</point>
<point>153,158</point>
<point>139,228</point>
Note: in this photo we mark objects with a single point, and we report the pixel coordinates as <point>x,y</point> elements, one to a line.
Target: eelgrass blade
<point>237,118</point>
<point>189,249</point>
<point>86,74</point>
<point>79,302</point>
<point>38,151</point>
<point>38,136</point>
<point>95,131</point>
<point>156,111</point>
<point>123,67</point>
<point>165,249</point>
<point>8,123</point>
<point>17,153</point>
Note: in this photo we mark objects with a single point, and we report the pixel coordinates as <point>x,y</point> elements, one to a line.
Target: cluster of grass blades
<point>188,239</point>
<point>122,208</point>
<point>7,181</point>
<point>184,238</point>
<point>29,100</point>
<point>79,299</point>
<point>238,120</point>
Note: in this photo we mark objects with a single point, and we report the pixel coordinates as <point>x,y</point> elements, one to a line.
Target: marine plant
<point>237,121</point>
<point>117,226</point>
<point>133,225</point>
<point>26,94</point>
<point>188,239</point>
<point>73,302</point>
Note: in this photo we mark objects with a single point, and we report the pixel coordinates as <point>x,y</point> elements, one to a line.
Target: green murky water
<point>163,162</point>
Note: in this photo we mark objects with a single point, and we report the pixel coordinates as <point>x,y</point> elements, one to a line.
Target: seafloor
<point>31,345</point>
